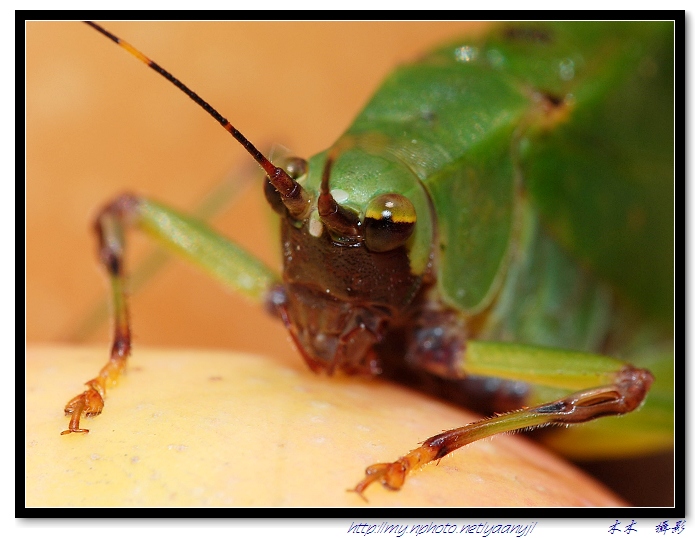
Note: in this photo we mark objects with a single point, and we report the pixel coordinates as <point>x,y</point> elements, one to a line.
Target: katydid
<point>489,213</point>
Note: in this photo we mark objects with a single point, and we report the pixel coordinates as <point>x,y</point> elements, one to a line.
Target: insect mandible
<point>348,340</point>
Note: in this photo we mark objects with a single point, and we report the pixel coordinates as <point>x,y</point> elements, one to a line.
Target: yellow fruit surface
<point>202,428</point>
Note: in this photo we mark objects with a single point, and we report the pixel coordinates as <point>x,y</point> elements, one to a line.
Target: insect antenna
<point>340,220</point>
<point>294,197</point>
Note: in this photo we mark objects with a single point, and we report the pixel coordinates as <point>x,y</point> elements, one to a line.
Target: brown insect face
<point>346,280</point>
<point>341,299</point>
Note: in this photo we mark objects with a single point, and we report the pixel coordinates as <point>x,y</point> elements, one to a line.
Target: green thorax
<point>476,121</point>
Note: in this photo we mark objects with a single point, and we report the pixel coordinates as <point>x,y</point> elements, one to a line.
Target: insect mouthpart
<point>331,334</point>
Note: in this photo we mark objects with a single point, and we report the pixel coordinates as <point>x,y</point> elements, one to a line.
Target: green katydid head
<point>354,258</point>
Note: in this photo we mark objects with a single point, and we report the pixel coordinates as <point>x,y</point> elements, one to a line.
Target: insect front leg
<point>109,229</point>
<point>221,196</point>
<point>603,386</point>
<point>186,237</point>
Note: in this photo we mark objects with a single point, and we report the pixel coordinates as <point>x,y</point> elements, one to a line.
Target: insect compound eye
<point>389,222</point>
<point>296,167</point>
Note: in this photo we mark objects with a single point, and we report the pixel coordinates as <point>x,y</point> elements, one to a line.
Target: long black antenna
<point>293,195</point>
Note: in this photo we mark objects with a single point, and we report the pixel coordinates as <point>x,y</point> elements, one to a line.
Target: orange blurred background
<point>100,123</point>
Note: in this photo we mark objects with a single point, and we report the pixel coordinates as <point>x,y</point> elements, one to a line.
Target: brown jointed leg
<point>625,395</point>
<point>109,227</point>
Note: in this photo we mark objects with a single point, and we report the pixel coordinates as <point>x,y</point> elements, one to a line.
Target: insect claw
<point>89,402</point>
<point>77,430</point>
<point>358,491</point>
<point>390,475</point>
<point>362,485</point>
